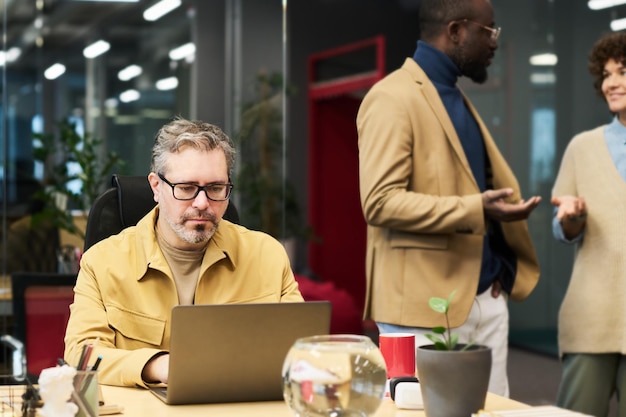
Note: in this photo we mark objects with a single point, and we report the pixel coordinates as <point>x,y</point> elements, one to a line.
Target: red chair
<point>41,310</point>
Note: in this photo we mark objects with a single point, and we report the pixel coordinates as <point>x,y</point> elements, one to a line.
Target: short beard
<point>471,69</point>
<point>198,235</point>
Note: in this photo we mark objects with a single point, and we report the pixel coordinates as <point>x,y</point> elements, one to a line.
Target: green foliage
<point>443,338</point>
<point>55,151</point>
<point>268,201</point>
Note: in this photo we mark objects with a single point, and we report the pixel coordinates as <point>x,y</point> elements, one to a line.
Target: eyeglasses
<point>214,192</point>
<point>495,32</point>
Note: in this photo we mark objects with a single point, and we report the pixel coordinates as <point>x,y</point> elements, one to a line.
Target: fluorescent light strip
<point>542,78</point>
<point>182,51</point>
<point>9,56</point>
<point>618,24</point>
<point>129,95</point>
<point>160,9</point>
<point>129,72</point>
<point>165,84</point>
<point>547,59</point>
<point>54,71</point>
<point>604,4</point>
<point>96,49</point>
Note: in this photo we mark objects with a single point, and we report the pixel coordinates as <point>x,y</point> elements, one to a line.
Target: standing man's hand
<point>497,209</point>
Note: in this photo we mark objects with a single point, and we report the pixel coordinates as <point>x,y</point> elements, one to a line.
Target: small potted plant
<point>454,376</point>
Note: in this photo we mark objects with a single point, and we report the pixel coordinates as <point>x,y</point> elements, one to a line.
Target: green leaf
<point>469,345</point>
<point>434,338</point>
<point>439,330</point>
<point>441,346</point>
<point>454,339</point>
<point>438,304</point>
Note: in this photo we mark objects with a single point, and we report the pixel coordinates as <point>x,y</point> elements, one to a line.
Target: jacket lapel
<point>435,103</point>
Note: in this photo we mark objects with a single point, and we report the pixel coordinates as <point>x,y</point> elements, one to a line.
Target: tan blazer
<point>423,206</point>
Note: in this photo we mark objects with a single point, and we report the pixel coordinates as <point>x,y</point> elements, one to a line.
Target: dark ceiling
<point>70,25</point>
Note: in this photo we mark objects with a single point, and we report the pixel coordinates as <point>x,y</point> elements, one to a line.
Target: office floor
<point>534,378</point>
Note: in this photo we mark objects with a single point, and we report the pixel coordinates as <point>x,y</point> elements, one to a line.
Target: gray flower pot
<point>453,383</point>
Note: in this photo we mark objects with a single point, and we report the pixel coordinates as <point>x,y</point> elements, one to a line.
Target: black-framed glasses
<point>495,32</point>
<point>185,191</point>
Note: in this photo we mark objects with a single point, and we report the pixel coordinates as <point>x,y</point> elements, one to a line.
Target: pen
<point>96,363</point>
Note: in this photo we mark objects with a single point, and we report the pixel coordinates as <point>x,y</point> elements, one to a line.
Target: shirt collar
<point>615,132</point>
<point>438,66</point>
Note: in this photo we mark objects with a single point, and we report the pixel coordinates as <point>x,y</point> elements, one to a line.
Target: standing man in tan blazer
<point>443,208</point>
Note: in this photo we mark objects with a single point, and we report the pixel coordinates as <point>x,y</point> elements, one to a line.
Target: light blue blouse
<point>615,138</point>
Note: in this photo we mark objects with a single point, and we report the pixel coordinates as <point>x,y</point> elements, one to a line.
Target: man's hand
<point>496,289</point>
<point>157,368</point>
<point>497,209</point>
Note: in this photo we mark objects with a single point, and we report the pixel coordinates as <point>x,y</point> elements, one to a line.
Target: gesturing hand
<point>497,209</point>
<point>570,208</point>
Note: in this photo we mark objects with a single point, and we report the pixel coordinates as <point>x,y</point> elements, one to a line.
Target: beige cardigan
<point>592,318</point>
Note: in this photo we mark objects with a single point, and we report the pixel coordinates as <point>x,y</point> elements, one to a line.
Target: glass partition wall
<point>229,62</point>
<point>116,71</point>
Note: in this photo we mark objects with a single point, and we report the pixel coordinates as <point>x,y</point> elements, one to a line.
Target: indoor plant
<point>56,152</point>
<point>453,376</point>
<point>268,199</point>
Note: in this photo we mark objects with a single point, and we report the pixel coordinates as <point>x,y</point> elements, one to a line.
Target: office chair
<point>124,204</point>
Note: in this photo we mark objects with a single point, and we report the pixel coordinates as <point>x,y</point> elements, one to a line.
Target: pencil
<point>82,366</point>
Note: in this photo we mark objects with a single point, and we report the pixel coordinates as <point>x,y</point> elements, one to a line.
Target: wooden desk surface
<point>138,402</point>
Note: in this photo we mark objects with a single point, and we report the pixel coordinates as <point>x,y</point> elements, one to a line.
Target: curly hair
<point>181,133</point>
<point>610,46</point>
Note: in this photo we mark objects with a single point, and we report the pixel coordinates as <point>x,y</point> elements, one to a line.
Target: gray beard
<point>198,235</point>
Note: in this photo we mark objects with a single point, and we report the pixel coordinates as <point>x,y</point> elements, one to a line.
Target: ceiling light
<point>542,78</point>
<point>160,9</point>
<point>548,59</point>
<point>110,103</point>
<point>604,4</point>
<point>10,56</point>
<point>618,24</point>
<point>129,72</point>
<point>96,49</point>
<point>54,71</point>
<point>183,51</point>
<point>129,95</point>
<point>165,84</point>
<point>112,1</point>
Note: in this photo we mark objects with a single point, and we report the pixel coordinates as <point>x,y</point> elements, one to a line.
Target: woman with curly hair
<point>590,199</point>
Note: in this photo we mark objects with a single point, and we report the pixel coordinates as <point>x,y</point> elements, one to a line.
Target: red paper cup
<point>398,349</point>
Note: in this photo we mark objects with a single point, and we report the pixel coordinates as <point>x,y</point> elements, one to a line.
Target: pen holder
<point>86,393</point>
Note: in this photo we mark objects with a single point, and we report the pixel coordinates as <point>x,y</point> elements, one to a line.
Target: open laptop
<point>235,352</point>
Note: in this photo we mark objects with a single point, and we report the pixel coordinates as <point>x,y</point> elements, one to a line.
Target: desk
<point>138,402</point>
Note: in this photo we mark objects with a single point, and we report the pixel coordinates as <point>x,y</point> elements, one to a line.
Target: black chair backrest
<point>123,205</point>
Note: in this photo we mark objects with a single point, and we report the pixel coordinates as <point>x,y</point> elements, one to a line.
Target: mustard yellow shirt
<point>125,292</point>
